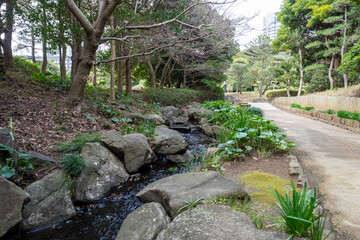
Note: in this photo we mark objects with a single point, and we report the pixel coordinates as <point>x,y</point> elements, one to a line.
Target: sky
<point>249,8</point>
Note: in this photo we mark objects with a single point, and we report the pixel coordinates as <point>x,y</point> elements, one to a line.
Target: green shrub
<point>166,97</point>
<point>255,111</point>
<point>26,66</point>
<point>349,115</point>
<point>211,93</point>
<point>294,105</point>
<point>308,108</point>
<point>75,144</point>
<point>272,94</point>
<point>329,111</point>
<point>180,97</point>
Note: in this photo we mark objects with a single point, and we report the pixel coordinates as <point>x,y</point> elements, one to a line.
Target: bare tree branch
<point>105,39</point>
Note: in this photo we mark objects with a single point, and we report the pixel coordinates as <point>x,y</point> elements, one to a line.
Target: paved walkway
<point>330,157</point>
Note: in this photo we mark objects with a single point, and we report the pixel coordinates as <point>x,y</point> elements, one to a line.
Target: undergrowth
<point>243,131</point>
<point>75,144</point>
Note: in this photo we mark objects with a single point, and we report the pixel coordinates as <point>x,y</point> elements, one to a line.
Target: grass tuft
<point>75,144</point>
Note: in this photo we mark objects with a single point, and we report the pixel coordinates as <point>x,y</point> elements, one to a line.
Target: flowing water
<point>103,219</point>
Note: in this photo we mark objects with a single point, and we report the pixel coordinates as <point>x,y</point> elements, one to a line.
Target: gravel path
<point>330,156</point>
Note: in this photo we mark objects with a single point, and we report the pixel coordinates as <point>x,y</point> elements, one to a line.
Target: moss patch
<point>261,181</point>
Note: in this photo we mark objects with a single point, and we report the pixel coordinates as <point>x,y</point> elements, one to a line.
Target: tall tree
<point>260,54</point>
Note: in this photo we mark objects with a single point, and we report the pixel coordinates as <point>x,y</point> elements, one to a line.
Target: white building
<point>271,25</point>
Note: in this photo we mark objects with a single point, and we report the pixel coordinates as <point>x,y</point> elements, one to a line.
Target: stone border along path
<point>330,156</point>
<point>293,111</point>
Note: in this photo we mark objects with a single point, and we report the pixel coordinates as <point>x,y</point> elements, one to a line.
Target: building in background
<point>271,25</point>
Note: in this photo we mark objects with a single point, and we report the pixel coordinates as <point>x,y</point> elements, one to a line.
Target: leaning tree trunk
<point>152,73</point>
<point>82,74</point>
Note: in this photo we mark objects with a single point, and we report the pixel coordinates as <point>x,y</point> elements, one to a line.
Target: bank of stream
<point>102,220</point>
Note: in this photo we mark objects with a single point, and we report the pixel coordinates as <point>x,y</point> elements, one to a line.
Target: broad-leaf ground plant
<point>243,131</point>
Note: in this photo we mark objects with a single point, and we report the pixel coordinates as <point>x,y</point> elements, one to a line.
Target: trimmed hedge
<point>272,94</point>
<point>180,97</point>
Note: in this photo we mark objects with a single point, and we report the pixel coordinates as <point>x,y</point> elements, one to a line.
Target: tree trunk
<point>94,75</point>
<point>33,59</point>
<point>301,69</point>
<point>184,79</point>
<point>331,68</point>
<point>44,62</point>
<point>120,73</point>
<point>128,76</point>
<point>44,41</point>
<point>112,64</point>
<point>84,68</point>
<point>63,59</point>
<point>346,81</point>
<point>152,73</point>
<point>239,87</point>
<point>8,34</point>
<point>288,87</point>
<point>163,75</point>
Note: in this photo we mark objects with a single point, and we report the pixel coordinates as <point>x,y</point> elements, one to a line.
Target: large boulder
<point>197,113</point>
<point>172,191</point>
<point>103,171</point>
<point>132,148</point>
<point>216,222</point>
<point>145,223</point>
<point>168,142</point>
<point>49,203</point>
<point>151,117</point>
<point>113,141</point>
<point>169,113</point>
<point>211,130</point>
<point>11,199</point>
<point>182,158</point>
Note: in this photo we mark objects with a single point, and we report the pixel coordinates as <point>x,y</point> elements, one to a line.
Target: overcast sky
<point>251,7</point>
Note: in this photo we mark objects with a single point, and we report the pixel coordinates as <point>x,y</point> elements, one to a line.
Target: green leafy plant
<point>75,144</point>
<point>255,111</point>
<point>329,111</point>
<point>297,210</point>
<point>294,105</point>
<point>146,127</point>
<point>308,108</point>
<point>17,161</point>
<point>348,115</point>
<point>190,204</point>
<point>243,131</point>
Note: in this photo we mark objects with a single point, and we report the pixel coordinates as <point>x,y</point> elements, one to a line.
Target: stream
<point>102,220</point>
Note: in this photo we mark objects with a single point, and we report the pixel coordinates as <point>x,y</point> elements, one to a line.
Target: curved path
<point>330,156</point>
